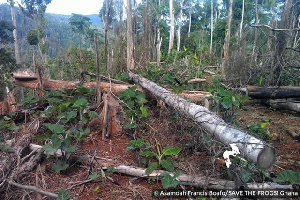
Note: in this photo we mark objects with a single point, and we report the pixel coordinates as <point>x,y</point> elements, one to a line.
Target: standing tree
<point>227,39</point>
<point>80,24</point>
<point>172,27</point>
<point>14,21</point>
<point>179,25</point>
<point>130,45</point>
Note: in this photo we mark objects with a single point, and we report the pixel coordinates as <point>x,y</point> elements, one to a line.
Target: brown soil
<point>169,129</point>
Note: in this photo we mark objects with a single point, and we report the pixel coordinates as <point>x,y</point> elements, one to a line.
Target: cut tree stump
<point>281,92</point>
<point>251,148</point>
<point>9,104</point>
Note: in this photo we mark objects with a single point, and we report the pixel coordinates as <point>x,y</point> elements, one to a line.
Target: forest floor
<point>169,129</point>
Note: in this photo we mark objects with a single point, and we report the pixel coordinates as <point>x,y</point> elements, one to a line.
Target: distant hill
<point>57,30</point>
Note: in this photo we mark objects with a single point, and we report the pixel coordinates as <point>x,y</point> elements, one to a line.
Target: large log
<point>57,85</point>
<point>251,148</point>
<point>281,92</point>
<point>286,105</point>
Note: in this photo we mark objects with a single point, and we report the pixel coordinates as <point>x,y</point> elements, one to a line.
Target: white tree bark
<point>130,45</point>
<point>250,147</point>
<point>211,25</point>
<point>172,27</point>
<point>159,39</point>
<point>179,26</point>
<point>14,21</point>
<point>242,20</point>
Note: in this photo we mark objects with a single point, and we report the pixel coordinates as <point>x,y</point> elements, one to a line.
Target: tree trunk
<point>227,39</point>
<point>286,105</point>
<point>281,92</point>
<point>130,45</point>
<point>13,18</point>
<point>179,26</point>
<point>190,22</point>
<point>255,33</point>
<point>98,71</point>
<point>242,20</point>
<point>250,147</point>
<point>107,13</point>
<point>211,26</point>
<point>281,42</point>
<point>159,39</point>
<point>172,27</point>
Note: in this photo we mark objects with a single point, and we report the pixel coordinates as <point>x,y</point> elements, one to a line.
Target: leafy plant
<point>162,157</point>
<point>63,195</point>
<point>288,176</point>
<point>135,106</point>
<point>259,128</point>
<point>225,101</point>
<point>170,181</point>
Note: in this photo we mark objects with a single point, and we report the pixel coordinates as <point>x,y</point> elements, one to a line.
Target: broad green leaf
<point>6,148</point>
<point>63,195</point>
<point>151,167</point>
<point>68,115</point>
<point>49,110</point>
<point>167,164</point>
<point>144,111</point>
<point>171,150</point>
<point>169,181</point>
<point>264,124</point>
<point>148,153</point>
<point>55,128</point>
<point>245,175</point>
<point>92,114</point>
<point>177,174</point>
<point>59,166</point>
<point>227,102</point>
<point>94,175</point>
<point>290,176</point>
<point>80,103</point>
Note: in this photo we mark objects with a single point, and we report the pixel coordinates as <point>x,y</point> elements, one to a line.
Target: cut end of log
<point>266,158</point>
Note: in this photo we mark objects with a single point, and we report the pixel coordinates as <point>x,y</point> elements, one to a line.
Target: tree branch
<point>33,188</point>
<point>274,29</point>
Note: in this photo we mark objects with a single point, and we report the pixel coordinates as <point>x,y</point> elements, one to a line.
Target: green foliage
<point>94,175</point>
<point>169,181</point>
<point>225,101</point>
<point>259,128</point>
<point>135,107</point>
<point>33,37</point>
<point>6,148</point>
<point>289,176</point>
<point>7,124</point>
<point>162,155</point>
<point>63,195</point>
<point>59,165</point>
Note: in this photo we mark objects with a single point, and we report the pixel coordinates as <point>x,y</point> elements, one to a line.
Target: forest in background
<point>207,52</point>
<point>253,42</point>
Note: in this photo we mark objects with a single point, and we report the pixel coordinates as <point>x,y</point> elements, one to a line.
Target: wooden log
<point>286,105</point>
<point>198,180</point>
<point>57,85</point>
<point>281,92</point>
<point>251,148</point>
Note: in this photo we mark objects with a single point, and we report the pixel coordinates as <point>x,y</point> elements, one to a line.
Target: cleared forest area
<point>184,99</point>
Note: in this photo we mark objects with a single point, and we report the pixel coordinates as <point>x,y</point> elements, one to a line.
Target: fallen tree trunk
<point>281,92</point>
<point>250,147</point>
<point>57,85</point>
<point>286,105</point>
<point>185,179</point>
<point>200,181</point>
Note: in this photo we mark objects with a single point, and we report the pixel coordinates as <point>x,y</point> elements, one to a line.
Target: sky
<point>67,7</point>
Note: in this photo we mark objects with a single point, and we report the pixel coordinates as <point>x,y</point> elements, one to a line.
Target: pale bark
<point>190,22</point>
<point>15,34</point>
<point>130,45</point>
<point>211,26</point>
<point>286,105</point>
<point>98,71</point>
<point>250,147</point>
<point>159,38</point>
<point>179,26</point>
<point>227,39</point>
<point>172,27</point>
<point>242,20</point>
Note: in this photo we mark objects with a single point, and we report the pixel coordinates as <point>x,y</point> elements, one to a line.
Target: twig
<point>32,188</point>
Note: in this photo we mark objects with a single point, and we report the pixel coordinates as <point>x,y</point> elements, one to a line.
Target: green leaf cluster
<point>135,108</point>
<point>289,176</point>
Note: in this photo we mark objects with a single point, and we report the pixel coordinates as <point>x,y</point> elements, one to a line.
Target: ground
<point>170,129</point>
